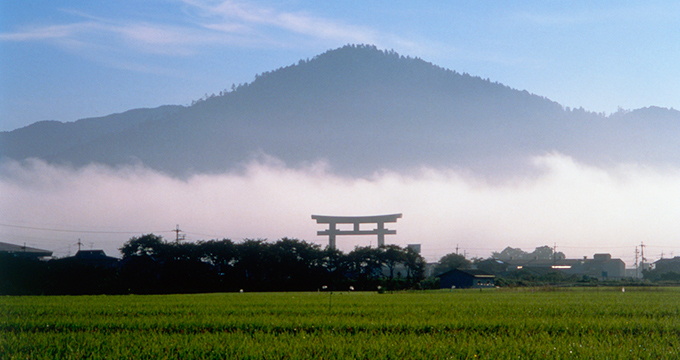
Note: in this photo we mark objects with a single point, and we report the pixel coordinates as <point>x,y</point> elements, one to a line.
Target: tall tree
<point>510,253</point>
<point>364,263</point>
<point>252,264</point>
<point>294,265</point>
<point>449,262</point>
<point>391,256</point>
<point>149,245</point>
<point>415,264</point>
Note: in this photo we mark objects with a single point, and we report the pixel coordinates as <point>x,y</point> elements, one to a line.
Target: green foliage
<point>151,265</point>
<point>542,252</point>
<point>525,323</point>
<point>667,277</point>
<point>449,262</point>
<point>21,275</point>
<point>149,245</point>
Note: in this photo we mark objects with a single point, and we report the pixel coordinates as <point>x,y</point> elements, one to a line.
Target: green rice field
<point>590,323</point>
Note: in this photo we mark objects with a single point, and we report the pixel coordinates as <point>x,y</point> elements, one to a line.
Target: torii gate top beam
<point>325,219</point>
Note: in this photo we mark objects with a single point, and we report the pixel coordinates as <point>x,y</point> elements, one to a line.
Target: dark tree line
<point>151,265</point>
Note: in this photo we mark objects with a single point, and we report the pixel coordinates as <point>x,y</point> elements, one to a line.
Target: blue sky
<point>66,60</point>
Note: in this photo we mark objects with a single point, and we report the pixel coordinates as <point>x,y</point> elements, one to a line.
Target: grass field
<point>571,323</point>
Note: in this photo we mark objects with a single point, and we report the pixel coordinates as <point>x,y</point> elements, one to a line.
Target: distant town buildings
<point>601,266</point>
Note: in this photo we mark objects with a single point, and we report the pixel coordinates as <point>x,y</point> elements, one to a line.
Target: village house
<point>466,278</point>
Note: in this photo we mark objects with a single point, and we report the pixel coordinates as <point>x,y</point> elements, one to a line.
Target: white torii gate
<point>333,231</point>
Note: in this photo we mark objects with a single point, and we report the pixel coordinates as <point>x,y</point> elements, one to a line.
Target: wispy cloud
<point>203,24</point>
<point>143,37</point>
<point>51,32</point>
<point>239,16</point>
<point>207,23</point>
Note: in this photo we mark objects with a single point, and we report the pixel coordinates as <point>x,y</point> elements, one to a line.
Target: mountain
<point>45,139</point>
<point>362,110</point>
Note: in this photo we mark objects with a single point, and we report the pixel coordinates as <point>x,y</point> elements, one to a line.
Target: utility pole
<point>177,237</point>
<point>642,254</point>
<point>456,249</point>
<point>637,268</point>
<point>79,244</point>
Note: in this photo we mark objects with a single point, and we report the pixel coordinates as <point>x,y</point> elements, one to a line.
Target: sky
<point>67,60</point>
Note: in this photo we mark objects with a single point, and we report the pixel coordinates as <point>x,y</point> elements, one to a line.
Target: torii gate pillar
<point>379,220</point>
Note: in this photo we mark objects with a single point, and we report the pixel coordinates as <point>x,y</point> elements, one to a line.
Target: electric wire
<point>80,231</point>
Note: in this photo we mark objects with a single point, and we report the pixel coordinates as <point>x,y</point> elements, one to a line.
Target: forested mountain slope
<point>362,110</point>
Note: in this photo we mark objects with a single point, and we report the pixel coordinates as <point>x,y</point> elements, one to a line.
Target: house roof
<point>93,255</point>
<point>19,249</point>
<point>476,273</point>
<point>671,260</point>
<point>90,254</point>
<point>491,260</point>
<point>90,257</point>
<point>472,272</point>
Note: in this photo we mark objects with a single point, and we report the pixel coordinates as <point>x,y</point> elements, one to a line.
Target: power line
<point>79,231</point>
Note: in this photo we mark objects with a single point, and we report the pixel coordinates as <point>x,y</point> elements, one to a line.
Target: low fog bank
<point>579,208</point>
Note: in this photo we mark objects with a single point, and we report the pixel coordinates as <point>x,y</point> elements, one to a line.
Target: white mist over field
<point>579,208</point>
